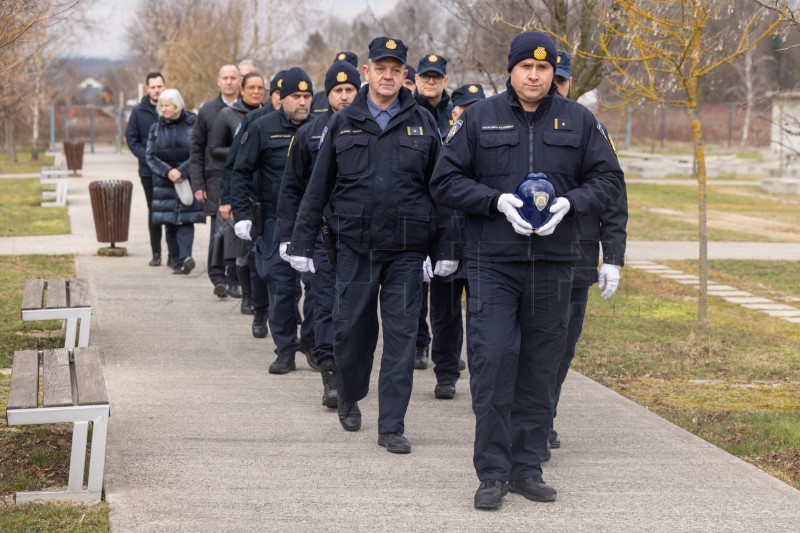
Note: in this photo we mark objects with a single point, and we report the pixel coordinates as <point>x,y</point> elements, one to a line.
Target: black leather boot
<point>243,273</point>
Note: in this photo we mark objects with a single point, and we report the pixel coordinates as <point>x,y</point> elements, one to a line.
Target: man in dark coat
<point>141,120</point>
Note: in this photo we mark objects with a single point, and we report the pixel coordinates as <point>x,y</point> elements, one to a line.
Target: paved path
<point>202,438</point>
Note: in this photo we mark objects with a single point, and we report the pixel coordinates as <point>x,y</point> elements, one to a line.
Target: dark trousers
<point>179,241</point>
<point>518,315</point>
<point>219,274</point>
<point>447,326</point>
<point>322,291</point>
<point>281,281</point>
<point>578,300</point>
<point>154,229</point>
<point>306,319</point>
<point>361,282</point>
<point>423,333</point>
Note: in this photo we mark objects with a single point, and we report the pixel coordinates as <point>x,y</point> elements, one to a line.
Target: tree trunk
<point>11,143</point>
<point>750,95</point>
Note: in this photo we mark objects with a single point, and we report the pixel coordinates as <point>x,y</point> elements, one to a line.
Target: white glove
<point>559,209</point>
<point>242,229</point>
<point>282,251</point>
<point>301,264</point>
<point>609,278</point>
<point>427,270</point>
<point>445,268</point>
<point>508,204</point>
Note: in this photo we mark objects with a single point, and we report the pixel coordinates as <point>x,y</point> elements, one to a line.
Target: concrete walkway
<point>202,438</point>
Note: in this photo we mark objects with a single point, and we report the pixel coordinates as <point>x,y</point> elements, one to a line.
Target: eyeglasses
<point>431,78</point>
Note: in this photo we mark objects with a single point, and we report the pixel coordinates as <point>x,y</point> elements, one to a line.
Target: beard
<point>298,115</point>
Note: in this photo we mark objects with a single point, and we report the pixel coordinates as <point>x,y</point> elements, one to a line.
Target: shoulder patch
<point>322,137</point>
<point>606,136</point>
<point>453,130</point>
<point>244,136</point>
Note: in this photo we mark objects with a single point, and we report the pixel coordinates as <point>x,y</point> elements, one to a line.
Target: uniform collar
<point>544,105</point>
<point>359,111</point>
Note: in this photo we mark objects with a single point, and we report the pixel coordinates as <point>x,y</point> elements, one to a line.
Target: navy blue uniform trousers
<point>518,314</point>
<point>447,327</point>
<point>323,285</point>
<point>578,300</point>
<point>361,282</point>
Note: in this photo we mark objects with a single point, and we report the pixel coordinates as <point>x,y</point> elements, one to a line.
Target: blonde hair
<point>173,97</point>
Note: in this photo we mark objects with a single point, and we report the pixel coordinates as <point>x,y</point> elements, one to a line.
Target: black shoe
<point>349,415</point>
<point>490,494</point>
<point>172,262</point>
<point>445,390</point>
<point>554,439</point>
<point>283,364</point>
<point>259,324</point>
<point>187,265</point>
<point>547,453</point>
<point>421,358</point>
<point>155,261</point>
<point>234,290</point>
<point>245,307</point>
<point>462,365</point>
<point>305,349</point>
<point>534,488</point>
<point>220,290</point>
<point>394,442</point>
<point>330,396</point>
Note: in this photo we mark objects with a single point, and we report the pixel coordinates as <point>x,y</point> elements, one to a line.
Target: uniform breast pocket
<point>278,150</point>
<point>496,154</point>
<point>413,157</point>
<point>352,154</point>
<point>563,151</point>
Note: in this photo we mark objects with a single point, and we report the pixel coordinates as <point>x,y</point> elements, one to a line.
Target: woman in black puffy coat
<point>174,205</point>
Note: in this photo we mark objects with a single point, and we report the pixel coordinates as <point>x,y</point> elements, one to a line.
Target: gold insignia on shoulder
<point>303,86</point>
<point>341,77</point>
<point>390,44</point>
<point>341,57</point>
<point>540,53</point>
<point>280,83</point>
<point>433,59</point>
<point>473,89</point>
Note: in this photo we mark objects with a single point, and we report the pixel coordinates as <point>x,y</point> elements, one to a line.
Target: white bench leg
<point>97,460</point>
<point>85,325</point>
<point>77,459</point>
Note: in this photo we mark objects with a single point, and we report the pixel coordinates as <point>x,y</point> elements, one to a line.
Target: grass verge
<point>21,213</point>
<point>24,164</point>
<point>738,391</point>
<point>35,457</point>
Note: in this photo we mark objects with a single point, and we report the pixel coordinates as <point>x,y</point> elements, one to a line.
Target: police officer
<point>319,104</point>
<point>256,180</point>
<point>409,82</point>
<point>609,228</point>
<point>520,276</point>
<point>342,81</point>
<point>373,167</point>
<point>445,293</point>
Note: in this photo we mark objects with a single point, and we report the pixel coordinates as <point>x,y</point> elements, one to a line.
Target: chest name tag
<point>281,136</point>
<point>414,130</point>
<point>493,127</point>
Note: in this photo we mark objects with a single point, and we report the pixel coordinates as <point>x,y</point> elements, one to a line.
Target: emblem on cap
<point>280,83</point>
<point>390,44</point>
<point>473,89</point>
<point>558,59</point>
<point>540,53</point>
<point>303,86</point>
<point>433,59</point>
<point>341,77</point>
<point>341,57</point>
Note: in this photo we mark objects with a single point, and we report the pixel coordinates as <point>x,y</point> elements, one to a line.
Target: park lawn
<point>740,392</point>
<point>24,164</point>
<point>21,212</point>
<point>734,213</point>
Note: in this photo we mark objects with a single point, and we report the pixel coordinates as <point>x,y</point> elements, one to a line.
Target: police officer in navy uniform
<point>319,104</point>
<point>342,81</point>
<point>520,277</point>
<point>609,228</point>
<point>257,176</point>
<point>447,325</point>
<point>374,167</point>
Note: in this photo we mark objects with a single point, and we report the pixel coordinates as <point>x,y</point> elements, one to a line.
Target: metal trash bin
<point>111,207</point>
<point>74,152</point>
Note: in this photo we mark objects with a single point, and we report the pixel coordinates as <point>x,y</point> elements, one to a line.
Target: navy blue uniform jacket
<point>233,151</point>
<point>377,182</point>
<point>496,146</point>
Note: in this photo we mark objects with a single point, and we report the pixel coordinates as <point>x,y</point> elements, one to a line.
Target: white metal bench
<point>72,389</point>
<point>57,195</point>
<point>60,299</point>
<point>57,158</point>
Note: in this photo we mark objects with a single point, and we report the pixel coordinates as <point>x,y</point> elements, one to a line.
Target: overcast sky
<point>112,16</point>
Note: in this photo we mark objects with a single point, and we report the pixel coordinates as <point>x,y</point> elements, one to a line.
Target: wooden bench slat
<point>91,385</point>
<point>56,293</point>
<point>33,294</point>
<point>56,378</point>
<point>23,390</point>
<point>78,292</point>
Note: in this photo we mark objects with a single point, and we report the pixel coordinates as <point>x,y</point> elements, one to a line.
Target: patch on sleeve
<point>322,137</point>
<point>453,130</point>
<point>607,137</point>
<point>244,137</point>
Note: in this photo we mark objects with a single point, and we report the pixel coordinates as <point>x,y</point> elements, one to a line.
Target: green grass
<point>642,344</point>
<point>734,213</point>
<point>24,164</point>
<point>21,213</point>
